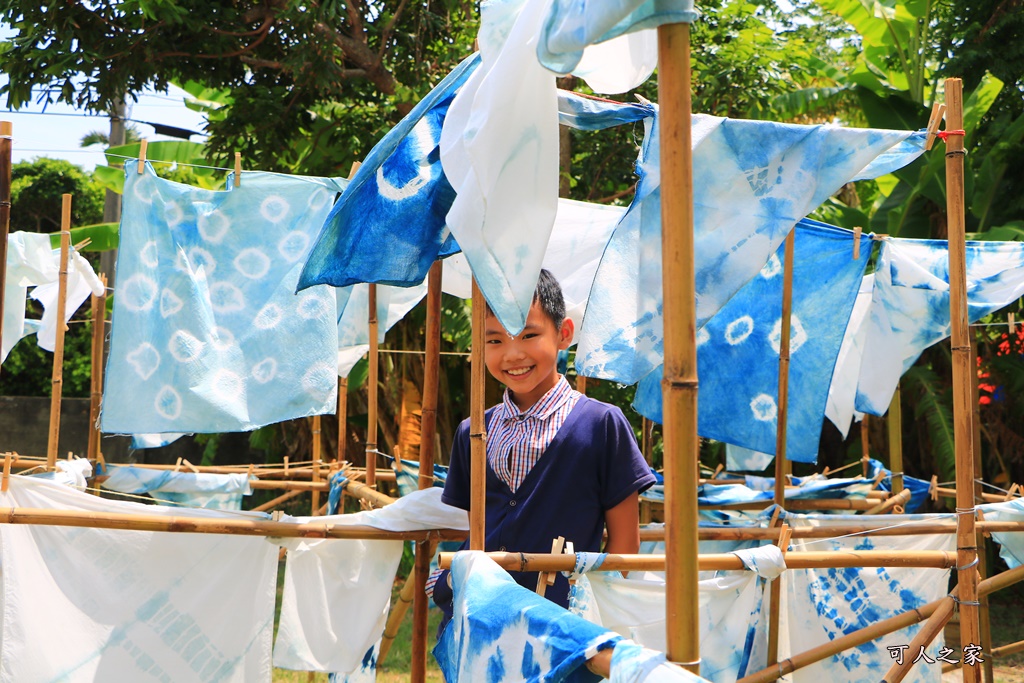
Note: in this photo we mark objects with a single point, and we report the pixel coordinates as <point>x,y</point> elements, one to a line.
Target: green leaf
<point>103,236</point>
<point>980,101</point>
<point>357,377</point>
<point>1011,232</point>
<point>934,405</point>
<point>181,151</point>
<point>110,178</point>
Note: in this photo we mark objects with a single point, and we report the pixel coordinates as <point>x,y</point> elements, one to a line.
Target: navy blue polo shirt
<point>591,466</point>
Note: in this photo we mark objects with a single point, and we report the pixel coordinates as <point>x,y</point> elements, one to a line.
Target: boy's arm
<point>623,524</point>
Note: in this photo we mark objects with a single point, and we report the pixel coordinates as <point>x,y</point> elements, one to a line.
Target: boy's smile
<point>526,363</point>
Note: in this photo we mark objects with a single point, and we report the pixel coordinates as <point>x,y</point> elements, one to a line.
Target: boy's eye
<point>529,335</point>
<point>493,341</point>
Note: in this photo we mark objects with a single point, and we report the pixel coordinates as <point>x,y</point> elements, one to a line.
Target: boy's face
<point>527,362</point>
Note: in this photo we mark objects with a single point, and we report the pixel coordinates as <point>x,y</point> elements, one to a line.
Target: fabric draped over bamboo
<point>842,391</point>
<point>86,604</point>
<point>1011,544</point>
<point>501,631</point>
<point>745,334</point>
<point>753,181</point>
<point>910,305</point>
<point>33,263</point>
<point>337,591</point>
<point>192,489</point>
<point>820,605</point>
<point>207,334</point>
<point>632,663</point>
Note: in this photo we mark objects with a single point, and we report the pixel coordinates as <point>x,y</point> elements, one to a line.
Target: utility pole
<point>112,201</point>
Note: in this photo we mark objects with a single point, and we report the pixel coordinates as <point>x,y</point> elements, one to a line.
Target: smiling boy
<point>558,463</point>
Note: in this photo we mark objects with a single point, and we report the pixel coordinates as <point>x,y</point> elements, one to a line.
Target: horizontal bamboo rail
<point>985,497</point>
<point>273,503</point>
<point>801,504</point>
<point>544,562</point>
<point>1011,649</point>
<point>881,527</point>
<point>204,525</point>
<point>876,630</point>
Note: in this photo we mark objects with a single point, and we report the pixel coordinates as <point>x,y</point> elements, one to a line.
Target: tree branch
<point>386,35</point>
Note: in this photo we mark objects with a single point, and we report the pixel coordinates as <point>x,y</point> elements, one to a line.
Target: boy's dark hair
<point>549,295</point>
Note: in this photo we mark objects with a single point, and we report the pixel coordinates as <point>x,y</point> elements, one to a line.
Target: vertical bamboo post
<point>58,349</point>
<point>781,464</point>
<point>372,389</point>
<point>865,444</point>
<point>428,429</point>
<point>988,675</point>
<point>581,384</point>
<point>317,456</point>
<point>99,329</point>
<point>967,551</point>
<point>342,418</point>
<point>894,424</point>
<point>679,386</point>
<point>6,143</point>
<point>477,428</point>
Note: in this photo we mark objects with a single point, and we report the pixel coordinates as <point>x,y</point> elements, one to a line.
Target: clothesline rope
<point>946,515</point>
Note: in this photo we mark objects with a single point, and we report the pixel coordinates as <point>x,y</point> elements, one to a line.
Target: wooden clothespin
<point>545,579</point>
<point>717,471</point>
<point>934,121</point>
<point>248,474</point>
<point>353,169</point>
<point>177,465</point>
<point>192,468</point>
<point>238,169</point>
<point>981,518</point>
<point>878,479</point>
<point>785,533</point>
<point>143,144</point>
<point>1011,321</point>
<point>286,464</point>
<point>1011,493</point>
<point>775,517</point>
<point>856,243</point>
<point>824,472</point>
<point>7,472</point>
<point>933,488</point>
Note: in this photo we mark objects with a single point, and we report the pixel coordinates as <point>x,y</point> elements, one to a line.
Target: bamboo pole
<point>6,143</point>
<point>545,562</point>
<point>872,632</point>
<point>372,389</point>
<point>865,444</point>
<point>394,622</point>
<point>317,455</point>
<point>58,349</point>
<point>984,497</point>
<point>232,526</point>
<point>581,384</point>
<point>899,500</point>
<point>342,419</point>
<point>477,428</point>
<point>99,328</point>
<point>274,502</point>
<point>679,386</point>
<point>1006,650</point>
<point>894,423</point>
<point>781,464</point>
<point>428,430</point>
<point>967,551</point>
<point>801,504</point>
<point>925,635</point>
<point>987,672</point>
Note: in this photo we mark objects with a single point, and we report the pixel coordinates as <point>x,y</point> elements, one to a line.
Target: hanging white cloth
<point>842,391</point>
<point>86,604</point>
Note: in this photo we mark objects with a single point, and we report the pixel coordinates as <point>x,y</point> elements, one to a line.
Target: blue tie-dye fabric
<point>501,631</point>
<point>919,488</point>
<point>572,25</point>
<point>197,490</point>
<point>910,305</point>
<point>1011,543</point>
<point>745,334</point>
<point>207,333</point>
<point>395,204</point>
<point>397,201</point>
<point>753,181</point>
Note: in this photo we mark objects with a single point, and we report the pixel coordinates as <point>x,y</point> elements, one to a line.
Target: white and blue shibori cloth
<point>753,182</point>
<point>33,263</point>
<point>910,306</point>
<point>1011,544</point>
<point>196,490</point>
<point>745,336</point>
<point>353,317</point>
<point>501,631</point>
<point>207,334</point>
<point>87,604</point>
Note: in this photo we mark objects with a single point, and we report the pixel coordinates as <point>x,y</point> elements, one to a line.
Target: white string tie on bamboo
<point>768,561</point>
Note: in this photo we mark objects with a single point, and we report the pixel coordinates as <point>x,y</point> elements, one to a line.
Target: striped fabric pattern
<point>517,440</point>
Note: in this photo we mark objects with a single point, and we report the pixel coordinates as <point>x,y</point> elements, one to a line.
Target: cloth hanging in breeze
<point>192,489</point>
<point>32,263</point>
<point>746,334</point>
<point>207,333</point>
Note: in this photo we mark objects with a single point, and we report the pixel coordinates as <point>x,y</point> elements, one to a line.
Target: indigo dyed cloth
<point>842,392</point>
<point>910,305</point>
<point>207,333</point>
<point>632,663</point>
<point>820,605</point>
<point>197,490</point>
<point>1011,544</point>
<point>501,631</point>
<point>738,349</point>
<point>571,26</point>
<point>753,181</point>
<point>395,205</point>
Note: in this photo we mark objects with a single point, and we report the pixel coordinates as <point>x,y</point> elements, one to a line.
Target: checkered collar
<point>542,409</point>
